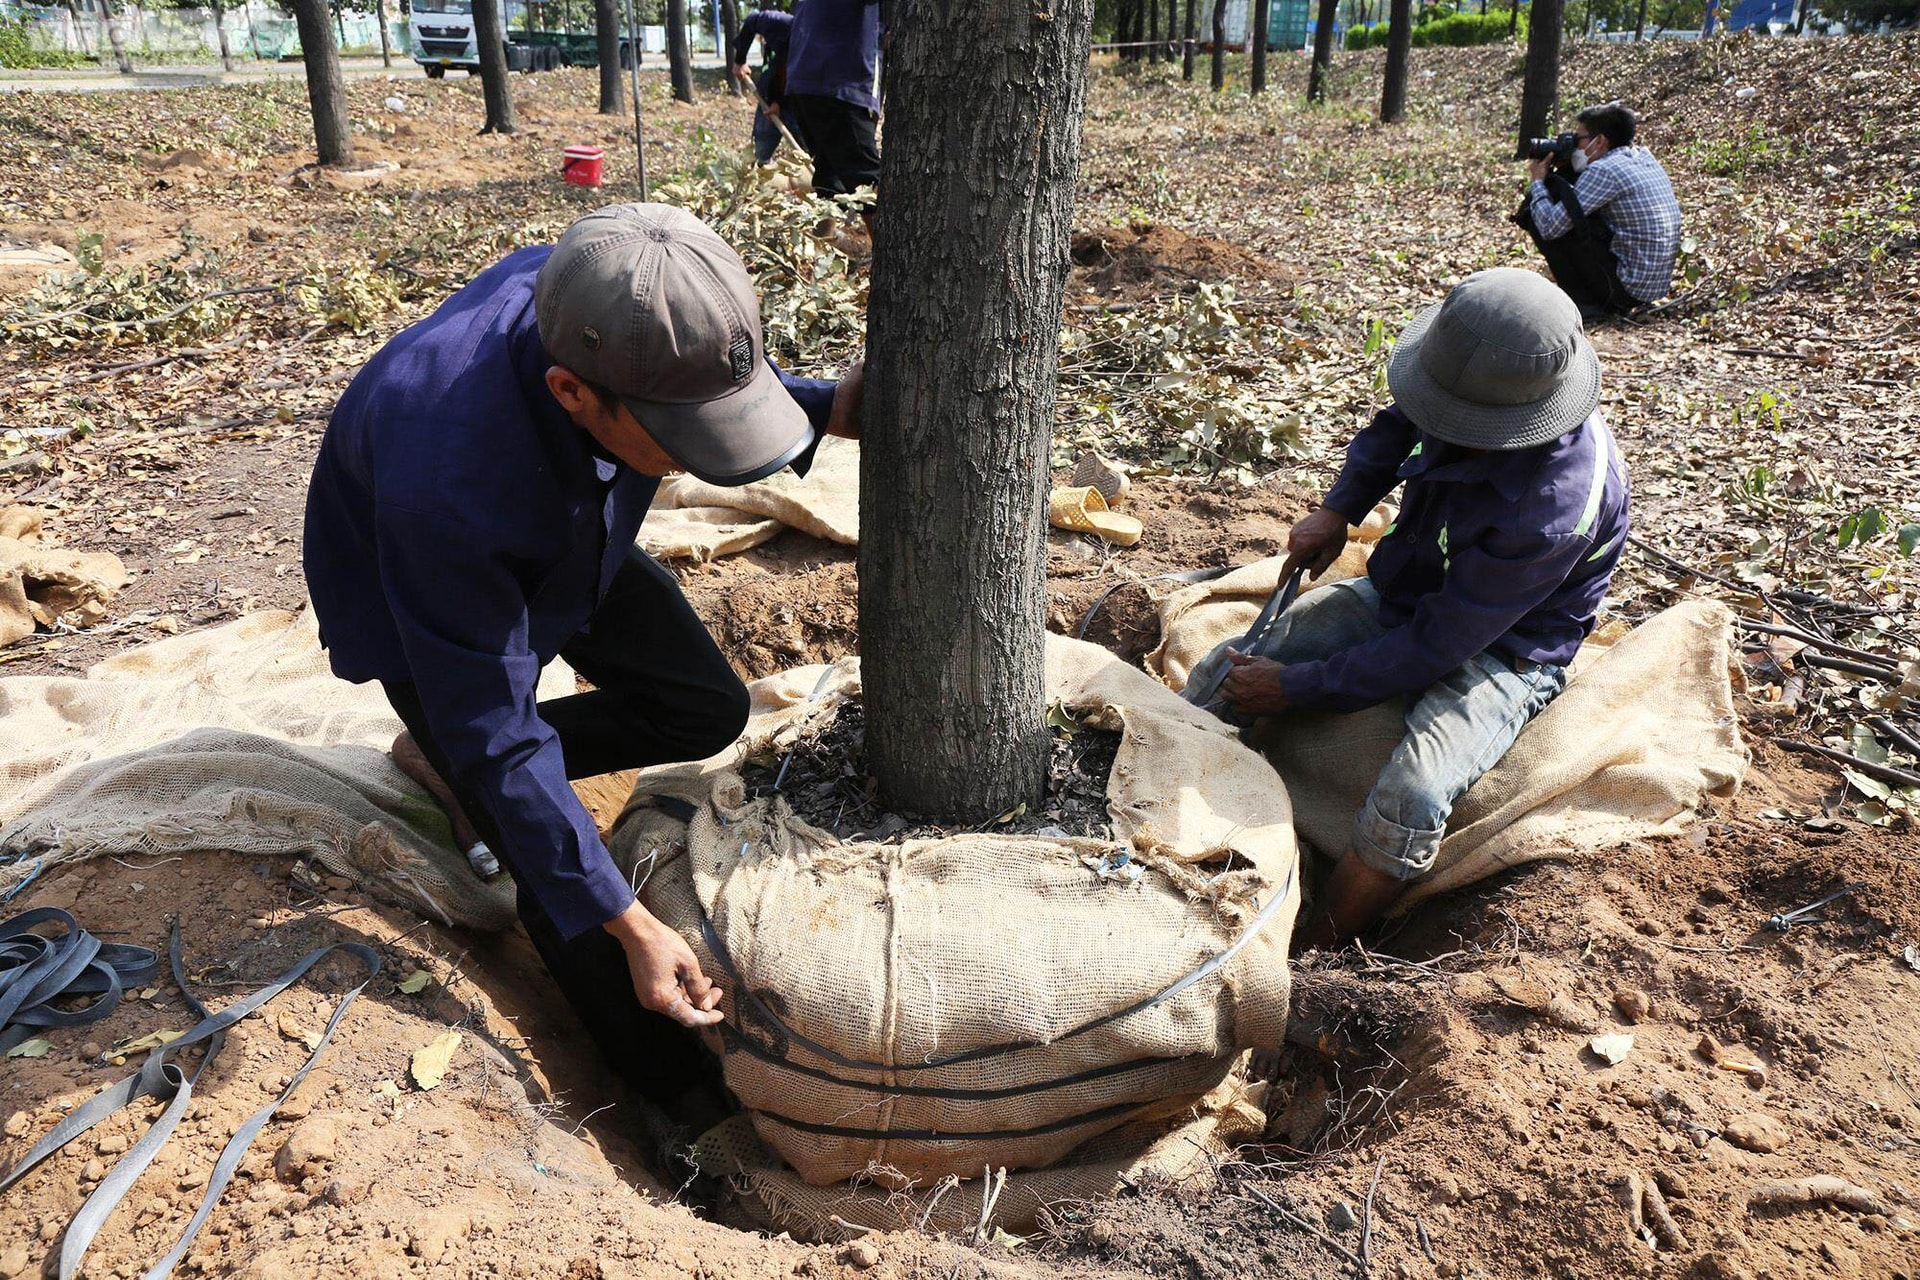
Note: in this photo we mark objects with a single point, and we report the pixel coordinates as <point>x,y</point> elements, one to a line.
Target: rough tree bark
<point>1541,89</point>
<point>606,34</point>
<point>386,37</point>
<point>489,33</point>
<point>729,28</point>
<point>1186,47</point>
<point>120,57</point>
<point>1217,71</point>
<point>220,33</point>
<point>326,91</point>
<point>1393,94</point>
<point>679,56</point>
<point>1322,50</point>
<point>969,267</point>
<point>1257,81</point>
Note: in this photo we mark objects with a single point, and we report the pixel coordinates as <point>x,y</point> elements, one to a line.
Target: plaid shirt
<point>1628,190</point>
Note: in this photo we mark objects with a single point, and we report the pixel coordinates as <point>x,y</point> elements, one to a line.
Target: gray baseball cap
<point>645,300</point>
<point>1501,364</point>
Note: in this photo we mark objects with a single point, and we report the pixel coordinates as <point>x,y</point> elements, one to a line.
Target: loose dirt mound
<point>1143,257</point>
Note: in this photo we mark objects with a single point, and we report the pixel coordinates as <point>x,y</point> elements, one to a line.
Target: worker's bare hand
<point>666,975</point>
<point>771,111</point>
<point>742,74</point>
<point>1538,169</point>
<point>844,418</point>
<point>1316,542</point>
<point>1253,686</point>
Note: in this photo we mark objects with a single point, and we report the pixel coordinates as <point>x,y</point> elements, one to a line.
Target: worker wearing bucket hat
<point>472,516</point>
<point>1512,519</point>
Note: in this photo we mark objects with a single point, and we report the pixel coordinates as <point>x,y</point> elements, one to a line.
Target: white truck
<point>441,36</point>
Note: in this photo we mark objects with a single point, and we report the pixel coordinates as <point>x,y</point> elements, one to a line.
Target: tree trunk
<point>606,34</point>
<point>220,34</point>
<point>79,27</point>
<point>1257,82</point>
<point>326,91</point>
<point>1393,95</point>
<point>1322,50</point>
<point>729,28</point>
<point>1513,21</point>
<point>1542,86</point>
<point>679,56</point>
<point>1173,29</point>
<point>970,263</point>
<point>1640,22</point>
<point>120,57</point>
<point>1153,31</point>
<point>1217,71</point>
<point>1186,48</point>
<point>495,84</point>
<point>386,38</point>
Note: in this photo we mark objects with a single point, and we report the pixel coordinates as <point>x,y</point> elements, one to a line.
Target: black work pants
<point>662,692</point>
<point>1582,260</point>
<point>843,139</point>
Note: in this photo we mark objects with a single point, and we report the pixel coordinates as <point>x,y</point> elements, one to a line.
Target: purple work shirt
<point>835,51</point>
<point>1509,552</point>
<point>460,531</point>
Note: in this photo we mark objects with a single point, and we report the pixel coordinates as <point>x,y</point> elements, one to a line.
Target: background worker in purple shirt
<point>831,69</point>
<point>472,517</point>
<point>774,30</point>
<point>1514,515</point>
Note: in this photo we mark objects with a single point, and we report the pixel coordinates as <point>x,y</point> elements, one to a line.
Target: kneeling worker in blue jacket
<point>1513,517</point>
<point>472,517</point>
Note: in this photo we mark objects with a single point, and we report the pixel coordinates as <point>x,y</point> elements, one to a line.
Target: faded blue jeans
<point>1456,730</point>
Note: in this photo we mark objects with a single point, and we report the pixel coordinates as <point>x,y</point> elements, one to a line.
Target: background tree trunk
<point>120,57</point>
<point>1322,50</point>
<point>970,263</point>
<point>79,27</point>
<point>1217,71</point>
<point>1186,46</point>
<point>1173,29</point>
<point>1153,31</point>
<point>386,37</point>
<point>729,28</point>
<point>220,34</point>
<point>1541,89</point>
<point>1393,94</point>
<point>326,92</point>
<point>1262,10</point>
<point>606,34</point>
<point>679,56</point>
<point>1513,20</point>
<point>490,35</point>
<point>1640,22</point>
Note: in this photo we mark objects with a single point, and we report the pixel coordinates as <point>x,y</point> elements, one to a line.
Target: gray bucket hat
<point>645,300</point>
<point>1501,364</point>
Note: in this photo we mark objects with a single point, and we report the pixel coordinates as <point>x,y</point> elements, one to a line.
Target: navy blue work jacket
<point>460,531</point>
<point>1510,552</point>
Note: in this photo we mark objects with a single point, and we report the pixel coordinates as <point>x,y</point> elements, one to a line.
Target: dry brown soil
<point>1451,1100</point>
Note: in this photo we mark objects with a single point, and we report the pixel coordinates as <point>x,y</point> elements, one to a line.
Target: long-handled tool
<point>766,109</point>
<point>1204,689</point>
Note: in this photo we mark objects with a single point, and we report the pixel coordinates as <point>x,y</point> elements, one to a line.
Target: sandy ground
<point>1452,1103</point>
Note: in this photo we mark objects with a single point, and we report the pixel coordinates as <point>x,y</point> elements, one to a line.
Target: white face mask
<point>1578,159</point>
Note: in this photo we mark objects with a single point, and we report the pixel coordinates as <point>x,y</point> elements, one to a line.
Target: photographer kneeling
<point>1612,231</point>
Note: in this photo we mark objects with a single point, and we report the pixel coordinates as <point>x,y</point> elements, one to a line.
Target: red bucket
<point>581,165</point>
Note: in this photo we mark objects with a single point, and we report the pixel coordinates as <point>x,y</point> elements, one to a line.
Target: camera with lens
<point>1559,148</point>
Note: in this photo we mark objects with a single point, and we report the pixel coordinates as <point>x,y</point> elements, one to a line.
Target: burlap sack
<point>236,738</point>
<point>41,584</point>
<point>1644,734</point>
<point>907,1012</point>
<point>693,520</point>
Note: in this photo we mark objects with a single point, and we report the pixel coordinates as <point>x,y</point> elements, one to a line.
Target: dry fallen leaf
<point>429,1063</point>
<point>415,983</point>
<point>34,1048</point>
<point>143,1043</point>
